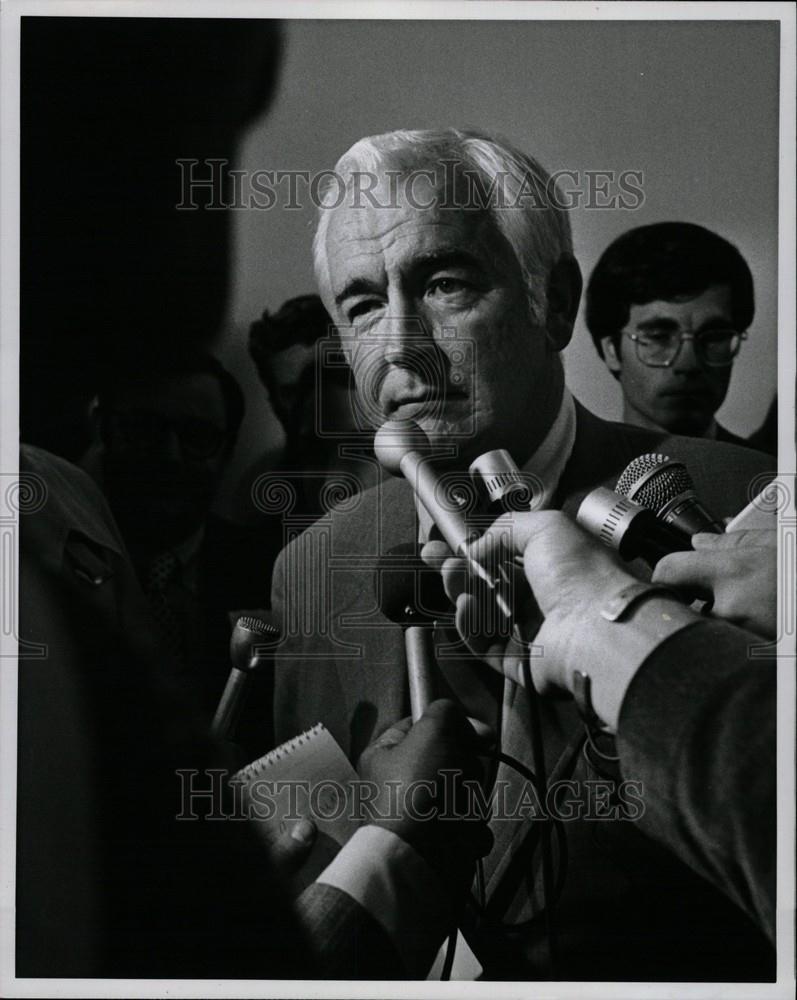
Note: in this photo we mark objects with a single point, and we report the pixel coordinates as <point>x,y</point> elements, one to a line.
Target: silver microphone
<point>250,643</point>
<point>629,528</point>
<point>403,448</point>
<point>665,487</point>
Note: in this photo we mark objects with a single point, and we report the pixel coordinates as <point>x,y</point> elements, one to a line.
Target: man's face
<point>165,447</point>
<point>435,323</point>
<point>683,397</point>
<point>292,389</point>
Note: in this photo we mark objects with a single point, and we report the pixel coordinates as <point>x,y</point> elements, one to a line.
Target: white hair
<point>523,199</point>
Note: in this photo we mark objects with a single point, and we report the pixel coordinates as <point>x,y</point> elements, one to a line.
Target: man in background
<point>167,431</point>
<point>668,306</point>
<point>327,452</point>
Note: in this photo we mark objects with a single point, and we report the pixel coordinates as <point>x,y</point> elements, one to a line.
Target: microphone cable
<point>538,757</point>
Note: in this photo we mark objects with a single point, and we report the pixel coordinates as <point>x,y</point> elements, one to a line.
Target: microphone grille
<point>653,480</point>
<point>257,626</point>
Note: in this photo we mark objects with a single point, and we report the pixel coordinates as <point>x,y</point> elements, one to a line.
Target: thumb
<point>292,848</point>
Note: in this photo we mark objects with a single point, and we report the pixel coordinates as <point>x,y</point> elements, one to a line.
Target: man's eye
<point>362,308</point>
<point>659,336</point>
<point>447,286</point>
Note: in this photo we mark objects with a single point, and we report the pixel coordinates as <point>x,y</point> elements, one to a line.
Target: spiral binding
<point>256,768</point>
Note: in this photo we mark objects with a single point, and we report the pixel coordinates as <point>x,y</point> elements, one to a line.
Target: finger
<point>394,734</point>
<point>689,569</point>
<point>435,553</point>
<point>454,725</point>
<point>468,614</point>
<point>748,538</point>
<point>516,530</point>
<point>292,848</point>
<point>454,573</point>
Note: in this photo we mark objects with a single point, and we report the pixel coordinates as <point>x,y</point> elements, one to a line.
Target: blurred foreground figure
<point>110,269</point>
<point>116,875</point>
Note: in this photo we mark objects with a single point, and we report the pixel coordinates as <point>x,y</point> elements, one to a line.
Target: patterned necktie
<point>163,570</point>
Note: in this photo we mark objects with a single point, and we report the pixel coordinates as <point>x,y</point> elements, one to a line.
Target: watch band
<point>621,602</point>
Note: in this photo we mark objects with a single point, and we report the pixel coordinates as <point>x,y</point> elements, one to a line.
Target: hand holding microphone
<point>738,568</point>
<point>403,448</point>
<point>563,567</point>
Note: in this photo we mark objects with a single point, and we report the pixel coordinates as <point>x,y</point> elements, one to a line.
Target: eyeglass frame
<point>113,418</point>
<point>686,335</point>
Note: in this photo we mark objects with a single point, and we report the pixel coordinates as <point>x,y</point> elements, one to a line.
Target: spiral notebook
<point>309,776</point>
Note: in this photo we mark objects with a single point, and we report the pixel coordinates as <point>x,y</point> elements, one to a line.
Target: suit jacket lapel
<point>388,519</point>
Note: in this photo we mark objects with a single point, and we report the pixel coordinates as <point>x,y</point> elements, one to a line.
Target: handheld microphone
<point>665,487</point>
<point>250,642</point>
<point>631,530</point>
<point>505,485</point>
<point>403,448</point>
<point>412,596</point>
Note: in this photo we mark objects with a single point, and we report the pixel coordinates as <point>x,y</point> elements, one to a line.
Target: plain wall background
<point>693,105</point>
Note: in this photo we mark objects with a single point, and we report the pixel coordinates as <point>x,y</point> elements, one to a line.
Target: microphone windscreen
<point>251,634</point>
<point>394,439</point>
<point>653,480</point>
<point>409,591</point>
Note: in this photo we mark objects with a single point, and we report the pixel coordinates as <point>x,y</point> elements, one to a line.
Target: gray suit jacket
<point>342,662</point>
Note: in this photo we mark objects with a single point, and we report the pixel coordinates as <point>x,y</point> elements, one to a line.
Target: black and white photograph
<point>397,499</point>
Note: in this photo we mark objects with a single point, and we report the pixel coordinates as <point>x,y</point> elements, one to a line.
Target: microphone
<point>403,448</point>
<point>412,596</point>
<point>504,484</point>
<point>251,640</point>
<point>631,530</point>
<point>665,487</point>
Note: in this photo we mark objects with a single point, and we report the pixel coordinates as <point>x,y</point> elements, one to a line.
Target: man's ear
<point>613,362</point>
<point>564,295</point>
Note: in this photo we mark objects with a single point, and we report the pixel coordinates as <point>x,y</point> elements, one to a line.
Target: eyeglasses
<point>660,348</point>
<point>144,430</point>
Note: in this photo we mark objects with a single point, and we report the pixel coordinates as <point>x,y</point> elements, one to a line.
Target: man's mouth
<point>416,404</point>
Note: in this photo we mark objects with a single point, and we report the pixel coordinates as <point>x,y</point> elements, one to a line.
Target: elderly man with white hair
<point>445,259</point>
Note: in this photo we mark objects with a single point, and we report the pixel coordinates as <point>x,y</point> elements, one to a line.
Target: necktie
<point>162,572</point>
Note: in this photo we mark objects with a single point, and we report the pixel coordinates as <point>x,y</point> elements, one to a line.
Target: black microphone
<point>251,641</point>
<point>665,487</point>
<point>631,530</point>
<point>412,596</point>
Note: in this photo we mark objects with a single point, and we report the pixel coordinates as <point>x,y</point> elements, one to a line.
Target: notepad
<point>307,777</point>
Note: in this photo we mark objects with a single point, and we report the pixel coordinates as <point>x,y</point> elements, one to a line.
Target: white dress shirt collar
<point>544,468</point>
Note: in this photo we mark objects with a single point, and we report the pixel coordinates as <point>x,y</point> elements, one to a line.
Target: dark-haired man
<point>167,432</point>
<point>668,306</point>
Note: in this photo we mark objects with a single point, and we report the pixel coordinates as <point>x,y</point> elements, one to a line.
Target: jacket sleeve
<point>697,727</point>
<point>349,943</point>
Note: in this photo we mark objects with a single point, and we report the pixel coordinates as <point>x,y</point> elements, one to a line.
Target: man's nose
<point>404,334</point>
<point>687,359</point>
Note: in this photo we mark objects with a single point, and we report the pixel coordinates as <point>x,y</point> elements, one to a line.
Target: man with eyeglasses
<point>167,430</point>
<point>668,307</point>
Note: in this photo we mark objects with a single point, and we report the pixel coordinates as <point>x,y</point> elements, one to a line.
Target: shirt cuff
<point>611,652</point>
<point>398,889</point>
